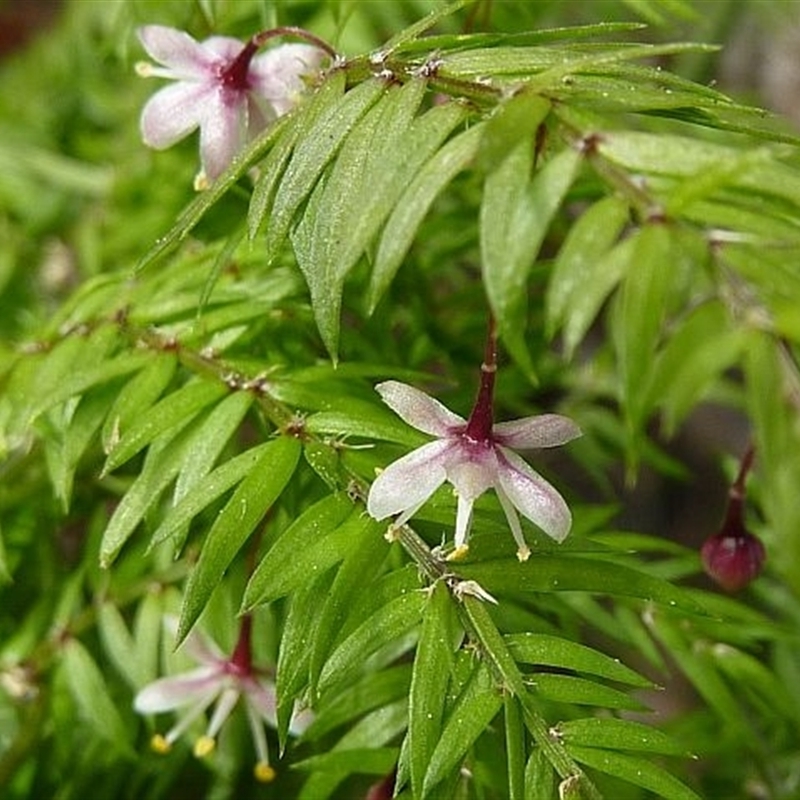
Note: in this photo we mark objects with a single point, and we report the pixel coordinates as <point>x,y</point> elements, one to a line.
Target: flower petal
<point>532,495</point>
<point>223,127</point>
<point>408,482</point>
<point>167,694</point>
<point>260,695</point>
<point>545,430</point>
<point>276,74</point>
<point>172,113</point>
<point>225,48</point>
<point>419,409</point>
<point>177,50</point>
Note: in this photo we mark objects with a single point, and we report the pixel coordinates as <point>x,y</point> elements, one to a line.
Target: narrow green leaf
<point>692,359</point>
<point>412,32</point>
<point>325,242</point>
<point>366,548</point>
<point>138,395</point>
<point>586,302</point>
<point>337,116</point>
<point>540,780</point>
<point>237,520</point>
<point>173,412</point>
<point>209,439</point>
<point>515,121</point>
<point>90,694</point>
<point>161,465</point>
<point>554,651</point>
<point>79,368</point>
<point>119,644</point>
<point>365,421</point>
<point>618,734</point>
<point>274,165</point>
<point>294,654</point>
<point>515,747</point>
<point>515,215</point>
<point>318,539</point>
<point>645,293</point>
<point>63,457</point>
<point>401,227</point>
<point>375,730</point>
<point>579,691</point>
<point>470,718</point>
<point>197,209</point>
<point>389,623</point>
<point>358,761</point>
<point>206,491</point>
<point>579,262</point>
<point>550,573</point>
<point>374,690</point>
<point>637,771</point>
<point>429,680</point>
<point>700,669</point>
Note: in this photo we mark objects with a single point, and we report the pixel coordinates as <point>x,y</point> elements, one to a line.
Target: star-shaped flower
<point>222,87</point>
<point>223,681</point>
<point>473,455</point>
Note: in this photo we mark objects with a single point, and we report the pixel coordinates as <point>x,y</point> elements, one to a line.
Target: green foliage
<point>188,424</point>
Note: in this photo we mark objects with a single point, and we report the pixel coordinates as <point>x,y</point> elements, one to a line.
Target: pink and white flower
<point>473,455</point>
<point>222,87</point>
<point>221,681</point>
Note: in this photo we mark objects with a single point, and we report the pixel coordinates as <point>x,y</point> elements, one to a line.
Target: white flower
<point>223,681</point>
<point>222,87</point>
<point>473,456</point>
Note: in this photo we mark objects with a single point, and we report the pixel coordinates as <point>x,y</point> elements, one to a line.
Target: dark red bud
<point>733,556</point>
<point>383,790</point>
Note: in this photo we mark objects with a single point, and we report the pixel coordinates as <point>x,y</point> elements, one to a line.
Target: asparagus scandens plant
<point>474,455</point>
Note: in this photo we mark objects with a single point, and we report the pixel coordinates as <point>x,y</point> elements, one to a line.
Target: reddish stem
<point>290,30</point>
<point>481,420</point>
<point>737,489</point>
<point>242,659</point>
<point>234,76</point>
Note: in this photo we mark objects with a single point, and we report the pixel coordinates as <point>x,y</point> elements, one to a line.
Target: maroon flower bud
<point>383,790</point>
<point>733,556</point>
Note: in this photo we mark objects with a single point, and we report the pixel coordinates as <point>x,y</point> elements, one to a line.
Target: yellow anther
<point>203,746</point>
<point>524,553</point>
<point>264,772</point>
<point>143,68</point>
<point>160,744</point>
<point>459,553</point>
<point>392,534</point>
<point>201,181</point>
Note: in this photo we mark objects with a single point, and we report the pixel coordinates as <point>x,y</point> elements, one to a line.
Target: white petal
<point>224,48</point>
<point>167,694</point>
<point>177,50</point>
<point>471,468</point>
<point>172,113</point>
<point>225,704</point>
<point>261,696</point>
<point>546,430</point>
<point>223,127</point>
<point>276,75</point>
<point>419,410</point>
<point>408,482</point>
<point>301,719</point>
<point>533,496</point>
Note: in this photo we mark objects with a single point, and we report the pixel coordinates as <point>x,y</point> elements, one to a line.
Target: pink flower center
<point>235,75</point>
